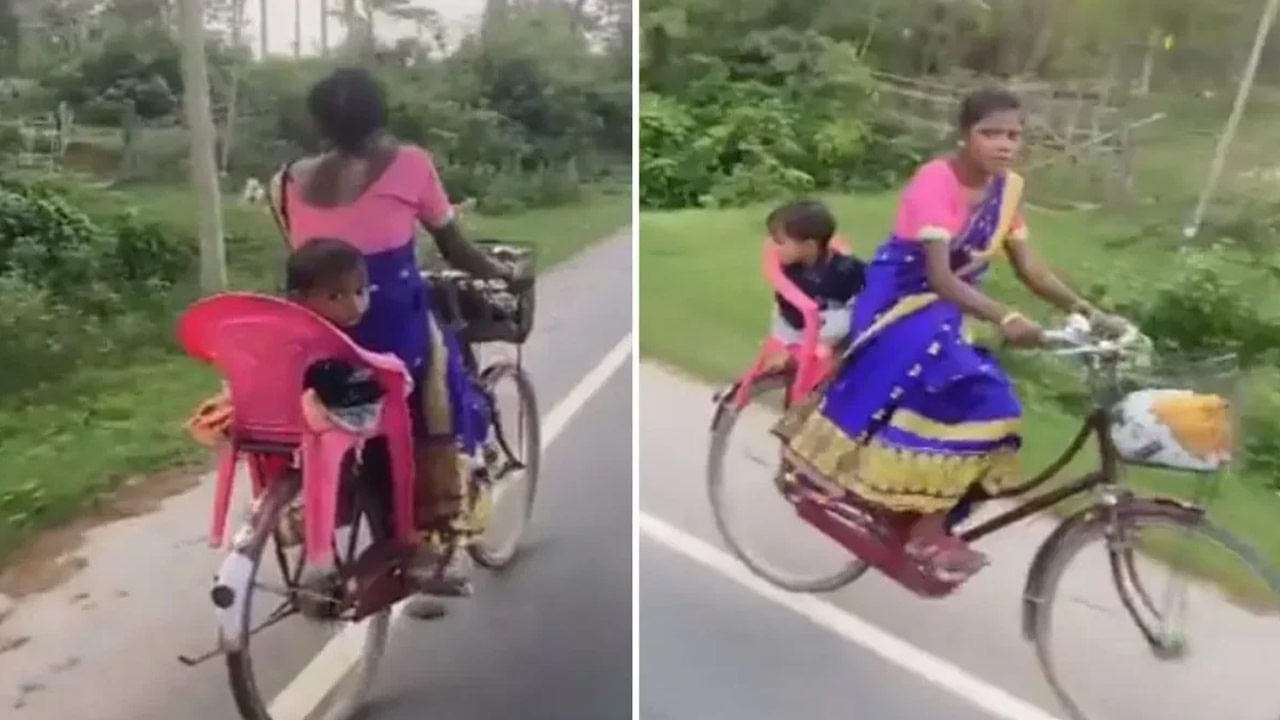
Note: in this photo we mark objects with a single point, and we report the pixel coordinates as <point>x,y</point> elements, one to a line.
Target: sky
<point>459,16</point>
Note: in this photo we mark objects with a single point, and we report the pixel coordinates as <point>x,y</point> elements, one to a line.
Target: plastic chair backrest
<point>263,346</point>
<point>810,367</point>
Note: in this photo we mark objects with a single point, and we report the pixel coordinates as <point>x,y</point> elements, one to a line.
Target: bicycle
<point>351,486</point>
<point>865,537</point>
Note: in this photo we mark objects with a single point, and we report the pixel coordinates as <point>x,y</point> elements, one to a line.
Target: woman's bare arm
<point>463,255</point>
<point>944,282</point>
<point>1037,276</point>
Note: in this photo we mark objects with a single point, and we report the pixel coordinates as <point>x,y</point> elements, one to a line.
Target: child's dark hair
<point>803,220</point>
<point>981,103</point>
<point>321,263</point>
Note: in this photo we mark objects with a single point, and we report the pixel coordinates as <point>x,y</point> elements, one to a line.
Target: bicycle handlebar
<point>1077,338</point>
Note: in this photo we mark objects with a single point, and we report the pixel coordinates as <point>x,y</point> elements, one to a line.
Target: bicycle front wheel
<point>1112,602</point>
<point>760,525</point>
<point>515,441</point>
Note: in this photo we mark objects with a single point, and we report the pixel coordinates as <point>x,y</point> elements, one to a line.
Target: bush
<point>49,245</point>
<point>76,292</point>
<point>35,331</point>
<point>142,254</point>
<point>784,114</point>
<point>1198,308</point>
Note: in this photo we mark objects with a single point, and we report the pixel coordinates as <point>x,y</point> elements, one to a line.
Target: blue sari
<point>400,321</point>
<point>916,418</point>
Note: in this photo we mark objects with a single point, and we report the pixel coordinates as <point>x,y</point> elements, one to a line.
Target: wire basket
<point>1181,413</point>
<point>482,310</point>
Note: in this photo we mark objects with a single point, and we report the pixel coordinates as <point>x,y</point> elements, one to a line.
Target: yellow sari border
<point>1010,200</point>
<point>983,430</point>
<point>898,479</point>
<point>905,306</point>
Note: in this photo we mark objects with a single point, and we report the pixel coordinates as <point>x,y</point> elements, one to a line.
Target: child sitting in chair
<point>329,278</point>
<point>803,231</point>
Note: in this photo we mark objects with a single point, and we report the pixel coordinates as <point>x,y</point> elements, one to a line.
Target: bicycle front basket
<point>483,310</point>
<point>1181,414</point>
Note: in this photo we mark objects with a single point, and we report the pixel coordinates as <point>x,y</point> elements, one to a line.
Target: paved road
<point>715,642</point>
<point>551,638</point>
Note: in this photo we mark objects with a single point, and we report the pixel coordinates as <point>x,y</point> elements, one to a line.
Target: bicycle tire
<point>244,687</point>
<point>485,554</point>
<point>726,417</point>
<point>1075,533</point>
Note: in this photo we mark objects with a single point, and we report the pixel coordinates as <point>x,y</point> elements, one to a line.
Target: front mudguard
<point>1082,521</point>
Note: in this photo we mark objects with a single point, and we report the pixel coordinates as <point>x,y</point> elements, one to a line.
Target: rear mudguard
<point>1033,593</point>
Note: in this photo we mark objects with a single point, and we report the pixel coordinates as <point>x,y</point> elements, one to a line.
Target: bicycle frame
<point>1095,424</point>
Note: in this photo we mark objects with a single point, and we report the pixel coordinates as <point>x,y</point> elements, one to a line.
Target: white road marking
<point>993,700</point>
<point>306,691</point>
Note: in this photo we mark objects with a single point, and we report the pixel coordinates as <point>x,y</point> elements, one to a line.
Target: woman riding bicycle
<point>372,192</point>
<point>917,420</point>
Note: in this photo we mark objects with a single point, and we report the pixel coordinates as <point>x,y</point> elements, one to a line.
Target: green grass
<point>65,446</point>
<point>704,307</point>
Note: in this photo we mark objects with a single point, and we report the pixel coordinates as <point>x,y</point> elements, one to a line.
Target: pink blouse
<point>935,206</point>
<point>385,216</point>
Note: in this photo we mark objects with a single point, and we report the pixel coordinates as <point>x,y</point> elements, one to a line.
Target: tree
<point>262,27</point>
<point>204,173</point>
<point>233,95</point>
<point>426,26</point>
<point>1044,17</point>
<point>10,39</point>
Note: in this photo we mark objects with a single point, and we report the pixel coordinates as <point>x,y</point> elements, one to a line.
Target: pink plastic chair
<point>263,346</point>
<point>812,361</point>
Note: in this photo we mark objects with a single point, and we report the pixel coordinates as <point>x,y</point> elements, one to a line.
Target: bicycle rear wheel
<point>255,685</point>
<point>515,439</point>
<point>756,520</point>
<point>1125,652</point>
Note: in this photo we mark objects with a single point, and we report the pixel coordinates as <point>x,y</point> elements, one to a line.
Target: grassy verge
<point>704,307</point>
<point>66,445</point>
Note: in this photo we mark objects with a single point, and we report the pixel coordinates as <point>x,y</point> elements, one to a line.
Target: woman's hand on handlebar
<point>518,278</point>
<point>1020,332</point>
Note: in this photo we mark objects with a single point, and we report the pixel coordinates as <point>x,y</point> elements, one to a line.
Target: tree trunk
<point>324,28</point>
<point>297,29</point>
<point>204,173</point>
<point>1042,41</point>
<point>1148,63</point>
<point>229,129</point>
<point>262,26</point>
<point>576,16</point>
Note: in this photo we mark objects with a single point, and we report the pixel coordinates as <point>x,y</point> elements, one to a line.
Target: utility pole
<point>262,27</point>
<point>1216,166</point>
<point>204,170</point>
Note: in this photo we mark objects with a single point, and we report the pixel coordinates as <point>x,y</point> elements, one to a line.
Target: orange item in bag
<point>211,422</point>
